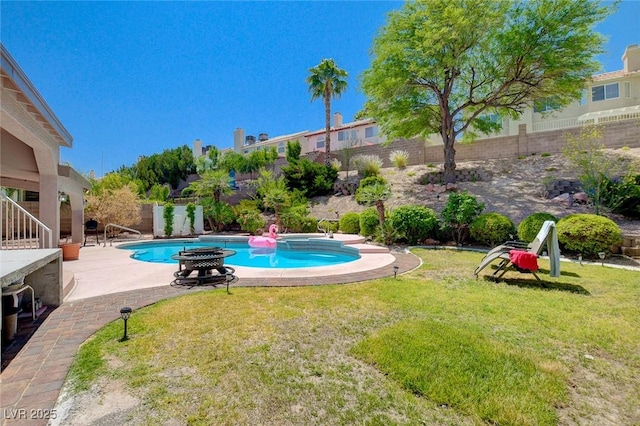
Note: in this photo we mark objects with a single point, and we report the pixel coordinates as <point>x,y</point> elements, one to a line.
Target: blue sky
<point>134,78</point>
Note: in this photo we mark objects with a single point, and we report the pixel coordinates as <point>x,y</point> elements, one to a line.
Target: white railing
<point>564,123</point>
<point>632,115</point>
<point>124,228</point>
<point>20,229</point>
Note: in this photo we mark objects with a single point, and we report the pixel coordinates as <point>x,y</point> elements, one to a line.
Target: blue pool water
<point>161,252</point>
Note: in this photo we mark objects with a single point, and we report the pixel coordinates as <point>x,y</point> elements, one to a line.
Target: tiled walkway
<point>31,383</point>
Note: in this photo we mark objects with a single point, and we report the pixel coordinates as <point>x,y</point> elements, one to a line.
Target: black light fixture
<point>395,271</point>
<point>125,313</point>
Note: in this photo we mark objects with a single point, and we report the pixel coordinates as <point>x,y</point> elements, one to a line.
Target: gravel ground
<point>515,189</point>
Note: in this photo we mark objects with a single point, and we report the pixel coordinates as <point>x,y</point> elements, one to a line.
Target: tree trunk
<point>327,122</point>
<point>380,207</point>
<point>448,139</point>
<point>449,162</point>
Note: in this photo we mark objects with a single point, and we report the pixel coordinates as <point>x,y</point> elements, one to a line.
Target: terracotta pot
<point>70,251</point>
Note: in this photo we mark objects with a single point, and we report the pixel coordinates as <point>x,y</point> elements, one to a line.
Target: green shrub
<point>623,197</point>
<point>587,234</point>
<point>415,222</point>
<point>387,233</point>
<point>294,218</point>
<point>530,226</point>
<point>491,229</point>
<point>310,178</point>
<point>367,165</point>
<point>461,209</point>
<point>248,216</point>
<point>369,222</point>
<point>309,225</point>
<point>350,223</point>
<point>372,180</point>
<point>399,158</point>
<point>191,214</point>
<point>167,215</point>
<point>217,213</point>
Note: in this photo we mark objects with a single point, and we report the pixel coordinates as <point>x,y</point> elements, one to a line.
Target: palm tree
<point>213,184</point>
<point>325,81</point>
<point>375,194</point>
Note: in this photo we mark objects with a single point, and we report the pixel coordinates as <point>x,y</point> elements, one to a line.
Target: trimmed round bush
<point>372,180</point>
<point>587,234</point>
<point>530,226</point>
<point>369,222</point>
<point>415,222</point>
<point>350,223</point>
<point>491,229</point>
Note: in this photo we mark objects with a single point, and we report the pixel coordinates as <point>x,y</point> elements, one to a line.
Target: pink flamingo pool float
<point>269,241</point>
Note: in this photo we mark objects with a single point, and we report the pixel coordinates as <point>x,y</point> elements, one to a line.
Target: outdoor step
<point>631,251</point>
<point>369,248</point>
<point>68,282</point>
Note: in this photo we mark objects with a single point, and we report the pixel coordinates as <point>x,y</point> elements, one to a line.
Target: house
<point>343,135</point>
<point>31,138</point>
<point>607,98</point>
<point>354,134</point>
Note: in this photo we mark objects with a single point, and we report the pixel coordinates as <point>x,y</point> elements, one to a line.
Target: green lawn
<point>433,347</point>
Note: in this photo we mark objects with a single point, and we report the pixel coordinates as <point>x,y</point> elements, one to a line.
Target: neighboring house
<point>345,135</point>
<point>246,144</point>
<point>608,97</point>
<point>354,134</point>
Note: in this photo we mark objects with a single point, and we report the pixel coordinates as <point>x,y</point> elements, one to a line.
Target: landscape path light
<point>125,313</point>
<point>395,271</point>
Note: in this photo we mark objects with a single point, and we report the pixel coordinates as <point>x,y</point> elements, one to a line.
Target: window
<point>370,132</point>
<point>320,142</point>
<point>281,148</point>
<point>604,92</point>
<point>545,105</point>
<point>345,135</point>
<point>583,98</point>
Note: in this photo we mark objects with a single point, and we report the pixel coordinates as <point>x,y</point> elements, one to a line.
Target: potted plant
<point>70,251</point>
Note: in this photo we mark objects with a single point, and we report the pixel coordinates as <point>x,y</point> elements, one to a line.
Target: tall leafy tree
<point>442,66</point>
<point>326,81</point>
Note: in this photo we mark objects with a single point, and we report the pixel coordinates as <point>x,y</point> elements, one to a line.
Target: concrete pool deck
<point>106,270</point>
<point>105,279</point>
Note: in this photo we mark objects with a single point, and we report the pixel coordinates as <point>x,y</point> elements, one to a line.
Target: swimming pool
<point>284,256</point>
